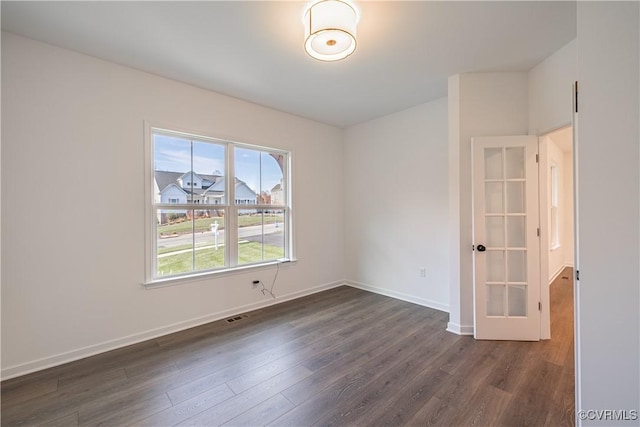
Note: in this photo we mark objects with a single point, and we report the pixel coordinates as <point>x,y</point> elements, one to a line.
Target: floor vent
<point>236,318</point>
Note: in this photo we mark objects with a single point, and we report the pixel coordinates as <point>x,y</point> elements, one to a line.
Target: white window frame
<point>554,208</point>
<point>231,210</point>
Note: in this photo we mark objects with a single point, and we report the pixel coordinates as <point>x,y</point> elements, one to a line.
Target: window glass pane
<point>495,231</point>
<point>517,300</point>
<point>493,197</point>
<point>247,169</point>
<point>517,269</point>
<point>555,233</point>
<point>192,170</point>
<point>208,177</point>
<point>174,242</point>
<point>259,177</point>
<point>554,185</point>
<point>209,239</point>
<point>495,266</point>
<point>171,161</point>
<point>493,163</point>
<point>188,170</point>
<point>514,159</point>
<point>272,189</point>
<point>261,235</point>
<point>516,231</point>
<point>515,197</point>
<point>495,300</point>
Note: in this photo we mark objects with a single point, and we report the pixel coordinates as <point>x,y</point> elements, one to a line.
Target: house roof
<point>166,178</point>
<point>276,187</point>
<point>219,185</point>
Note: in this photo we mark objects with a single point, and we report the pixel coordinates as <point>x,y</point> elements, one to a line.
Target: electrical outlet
<point>423,272</point>
<point>255,283</point>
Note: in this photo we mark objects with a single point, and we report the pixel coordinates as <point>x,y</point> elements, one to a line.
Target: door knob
<point>481,248</point>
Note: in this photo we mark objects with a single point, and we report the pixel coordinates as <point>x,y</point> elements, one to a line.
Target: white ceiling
<point>254,50</point>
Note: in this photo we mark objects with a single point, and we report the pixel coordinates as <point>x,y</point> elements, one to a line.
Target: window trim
<point>231,209</point>
<point>554,208</point>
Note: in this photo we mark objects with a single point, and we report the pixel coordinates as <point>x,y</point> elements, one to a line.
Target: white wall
<point>396,205</point>
<point>608,165</point>
<point>568,222</point>
<point>483,104</point>
<point>72,274</point>
<point>550,85</point>
<point>556,255</point>
<point>550,108</point>
<point>561,154</point>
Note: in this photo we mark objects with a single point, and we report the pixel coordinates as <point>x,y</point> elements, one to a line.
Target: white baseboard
<point>399,295</point>
<point>460,329</point>
<point>81,353</point>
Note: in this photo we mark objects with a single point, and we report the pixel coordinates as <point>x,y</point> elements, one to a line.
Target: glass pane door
<point>505,229</point>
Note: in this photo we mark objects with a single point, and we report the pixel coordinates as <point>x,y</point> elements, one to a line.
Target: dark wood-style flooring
<point>340,357</point>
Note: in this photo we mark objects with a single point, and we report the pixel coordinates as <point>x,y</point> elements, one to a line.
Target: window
<point>554,216</point>
<point>201,230</point>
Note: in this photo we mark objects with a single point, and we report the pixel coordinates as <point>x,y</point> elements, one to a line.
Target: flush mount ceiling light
<point>330,30</point>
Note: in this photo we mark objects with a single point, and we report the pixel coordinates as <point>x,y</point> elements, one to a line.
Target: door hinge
<point>577,275</point>
<point>473,247</point>
<point>537,158</point>
<point>575,96</point>
<point>539,306</point>
<point>538,232</point>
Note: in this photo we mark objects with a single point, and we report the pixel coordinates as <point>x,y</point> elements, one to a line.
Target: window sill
<point>197,277</point>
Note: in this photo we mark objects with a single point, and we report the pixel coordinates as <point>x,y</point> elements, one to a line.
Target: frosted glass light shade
<point>330,30</point>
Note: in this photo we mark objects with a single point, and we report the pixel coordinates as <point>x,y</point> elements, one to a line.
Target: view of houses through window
<point>201,222</point>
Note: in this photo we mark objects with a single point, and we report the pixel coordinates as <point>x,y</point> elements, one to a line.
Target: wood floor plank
<point>484,408</point>
<point>434,412</point>
<point>257,376</point>
<point>80,383</point>
<point>262,413</point>
<point>406,400</point>
<point>70,398</point>
<point>22,392</point>
<point>248,399</point>
<point>188,408</point>
<point>70,420</point>
<point>509,369</point>
<point>127,410</point>
<point>338,357</point>
<point>304,346</point>
<point>356,364</point>
<point>459,388</point>
<point>352,383</point>
<point>389,377</point>
<point>532,400</point>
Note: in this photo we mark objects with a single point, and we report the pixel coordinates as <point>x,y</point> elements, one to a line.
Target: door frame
<point>543,192</point>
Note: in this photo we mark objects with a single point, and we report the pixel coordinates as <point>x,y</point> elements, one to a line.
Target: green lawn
<point>248,252</point>
<point>183,247</point>
<point>204,224</point>
<point>252,252</point>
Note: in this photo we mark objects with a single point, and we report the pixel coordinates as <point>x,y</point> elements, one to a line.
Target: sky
<point>258,169</point>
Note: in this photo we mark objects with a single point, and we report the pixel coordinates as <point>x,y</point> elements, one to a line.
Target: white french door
<point>506,238</point>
